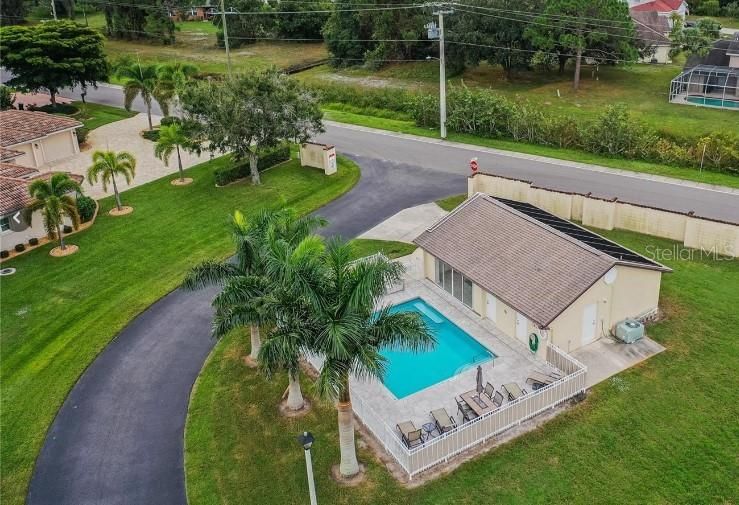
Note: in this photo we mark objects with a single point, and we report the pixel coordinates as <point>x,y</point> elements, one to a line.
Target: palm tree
<point>351,331</point>
<point>106,165</point>
<point>171,138</point>
<point>246,281</point>
<point>52,198</point>
<point>144,80</point>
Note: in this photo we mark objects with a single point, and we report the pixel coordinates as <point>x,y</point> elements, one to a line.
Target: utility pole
<point>53,9</point>
<point>225,38</point>
<point>435,33</point>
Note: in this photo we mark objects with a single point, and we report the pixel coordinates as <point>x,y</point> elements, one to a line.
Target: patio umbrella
<point>479,380</point>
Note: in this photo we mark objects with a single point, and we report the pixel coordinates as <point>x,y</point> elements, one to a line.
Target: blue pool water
<point>455,350</point>
<point>716,102</point>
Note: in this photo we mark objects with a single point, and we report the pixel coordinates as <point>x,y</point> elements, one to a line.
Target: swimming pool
<point>455,350</point>
<point>715,102</point>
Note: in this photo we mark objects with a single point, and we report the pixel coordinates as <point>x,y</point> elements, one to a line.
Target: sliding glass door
<point>453,282</point>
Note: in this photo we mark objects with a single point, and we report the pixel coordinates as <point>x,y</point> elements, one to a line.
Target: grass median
<point>57,314</point>
<point>662,432</point>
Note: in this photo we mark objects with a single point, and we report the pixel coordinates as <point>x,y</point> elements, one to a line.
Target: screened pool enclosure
<point>707,86</point>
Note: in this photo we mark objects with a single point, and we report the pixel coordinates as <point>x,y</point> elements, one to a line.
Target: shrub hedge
<point>241,170</point>
<point>33,241</point>
<point>4,254</point>
<point>19,248</point>
<point>614,132</point>
<point>85,208</point>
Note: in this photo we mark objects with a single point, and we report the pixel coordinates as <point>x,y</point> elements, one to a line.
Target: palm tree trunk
<point>256,342</point>
<point>115,190</point>
<point>348,466</point>
<point>179,163</point>
<point>254,168</point>
<point>61,237</point>
<point>148,114</point>
<point>294,394</point>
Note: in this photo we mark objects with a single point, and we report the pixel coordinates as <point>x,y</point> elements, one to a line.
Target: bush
<point>708,8</point>
<point>241,170</point>
<point>85,207</point>
<point>732,10</point>
<point>169,120</point>
<point>67,229</point>
<point>4,254</point>
<point>60,108</point>
<point>82,133</point>
<point>152,135</point>
<point>33,241</point>
<point>19,248</point>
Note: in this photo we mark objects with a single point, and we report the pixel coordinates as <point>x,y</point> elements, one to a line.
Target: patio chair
<point>489,390</point>
<point>467,413</point>
<point>538,380</point>
<point>513,390</point>
<point>497,399</point>
<point>410,435</point>
<point>444,422</point>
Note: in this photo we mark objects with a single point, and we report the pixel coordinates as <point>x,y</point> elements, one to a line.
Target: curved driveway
<point>118,438</point>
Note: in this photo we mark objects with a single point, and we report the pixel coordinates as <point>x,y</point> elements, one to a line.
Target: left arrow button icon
<point>17,217</point>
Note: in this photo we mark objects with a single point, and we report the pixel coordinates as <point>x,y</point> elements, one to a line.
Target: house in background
<point>15,227</point>
<point>711,80</point>
<point>653,32</point>
<point>42,138</point>
<point>663,8</point>
<point>534,274</point>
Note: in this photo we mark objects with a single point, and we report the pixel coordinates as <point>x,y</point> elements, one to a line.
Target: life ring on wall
<point>534,342</point>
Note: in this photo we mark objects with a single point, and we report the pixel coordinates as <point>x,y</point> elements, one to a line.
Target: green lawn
<point>723,21</point>
<point>390,248</point>
<point>451,202</point>
<point>95,115</point>
<point>663,432</point>
<point>344,114</point>
<point>57,314</point>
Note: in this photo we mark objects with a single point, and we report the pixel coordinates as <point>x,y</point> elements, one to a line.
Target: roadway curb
<point>541,159</point>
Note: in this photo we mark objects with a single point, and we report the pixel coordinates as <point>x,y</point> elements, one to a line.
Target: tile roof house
<point>665,8</point>
<point>14,197</point>
<point>42,138</point>
<point>531,272</point>
<point>653,32</point>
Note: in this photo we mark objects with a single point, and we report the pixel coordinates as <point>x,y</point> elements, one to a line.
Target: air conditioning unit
<point>629,331</point>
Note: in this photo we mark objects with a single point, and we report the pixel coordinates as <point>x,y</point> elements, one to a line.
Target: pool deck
<point>513,363</point>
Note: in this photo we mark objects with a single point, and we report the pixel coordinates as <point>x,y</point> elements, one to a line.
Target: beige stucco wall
<point>598,213</point>
<point>649,221</point>
<point>695,232</point>
<point>634,293</point>
<point>559,204</point>
<point>48,149</point>
<point>498,186</point>
<point>713,237</point>
<point>28,159</point>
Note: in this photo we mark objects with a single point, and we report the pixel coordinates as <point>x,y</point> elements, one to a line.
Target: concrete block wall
<point>696,232</point>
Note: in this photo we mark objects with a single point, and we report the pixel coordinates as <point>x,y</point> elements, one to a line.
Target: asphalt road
<point>118,438</point>
<point>554,174</point>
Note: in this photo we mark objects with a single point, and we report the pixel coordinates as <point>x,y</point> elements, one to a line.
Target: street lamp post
<point>306,440</point>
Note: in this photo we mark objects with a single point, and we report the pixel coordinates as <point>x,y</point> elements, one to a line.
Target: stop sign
<point>473,165</point>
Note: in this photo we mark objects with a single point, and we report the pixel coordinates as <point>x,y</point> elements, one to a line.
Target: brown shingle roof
<point>9,154</point>
<point>528,265</point>
<point>17,126</point>
<point>14,182</point>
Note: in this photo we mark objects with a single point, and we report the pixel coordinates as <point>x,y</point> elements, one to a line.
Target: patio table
<point>513,390</point>
<point>480,404</point>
